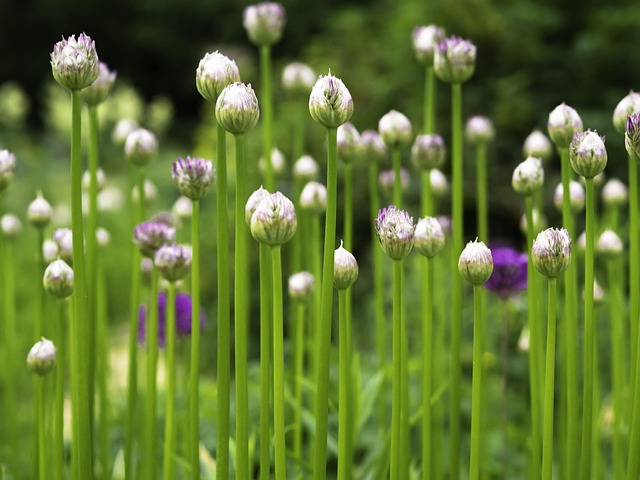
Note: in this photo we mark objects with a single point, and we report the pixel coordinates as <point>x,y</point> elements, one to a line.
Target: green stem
<point>396,156</point>
<point>589,342</point>
<point>633,465</point>
<point>278,365</point>
<point>151,427</point>
<point>397,371</point>
<point>457,214</point>
<point>348,244</point>
<point>477,436</point>
<point>266,105</point>
<point>617,366</point>
<point>324,340</point>
<point>265,362</point>
<point>298,139</point>
<point>343,388</point>
<point>549,385</point>
<point>224,328</point>
<point>102,334</point>
<point>241,312</point>
<point>426,194</point>
<point>298,375</point>
<point>194,370</point>
<point>61,363</point>
<point>170,423</point>
<point>10,338</point>
<point>80,387</point>
<point>634,270</point>
<point>427,356</point>
<point>481,187</point>
<point>43,294</point>
<point>315,331</point>
<point>429,100</point>
<point>42,449</point>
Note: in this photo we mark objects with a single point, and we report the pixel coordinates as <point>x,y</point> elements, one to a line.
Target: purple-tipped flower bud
<point>274,221</point>
<point>215,71</point>
<point>278,162</point>
<point>99,90</point>
<point>122,130</point>
<point>42,357</point>
<point>348,142</point>
<point>103,237</point>
<point>252,203</point>
<point>74,63</point>
<point>576,194</point>
<point>373,147</point>
<point>313,198</point>
<point>58,279</point>
<point>264,22</point>
<point>330,102</point>
<point>194,176</point>
<point>11,225</point>
<point>551,252</point>
<point>386,179</point>
<point>428,151</point>
<point>141,147</point>
<point>305,169</point>
<point>563,122</point>
<point>394,229</point>
<point>182,208</point>
<point>609,245</point>
<point>632,136</point>
<point>150,236</point>
<point>173,261</point>
<point>39,212</point>
<point>476,263</point>
<point>345,268</point>
<point>627,106</point>
<point>298,78</point>
<point>7,168</point>
<point>479,130</point>
<point>101,179</point>
<point>395,129</point>
<point>454,60</point>
<point>528,177</point>
<point>428,237</point>
<point>301,286</point>
<point>439,183</point>
<point>588,154</point>
<point>237,108</point>
<point>615,193</point>
<point>49,250</point>
<point>538,145</point>
<point>425,40</point>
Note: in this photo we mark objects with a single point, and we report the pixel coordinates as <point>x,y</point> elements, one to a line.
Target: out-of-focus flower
<point>439,183</point>
<point>122,130</point>
<point>182,208</point>
<point>101,179</point>
<point>454,60</point>
<point>538,145</point>
<point>298,78</point>
<point>99,90</point>
<point>576,194</point>
<point>301,285</point>
<point>609,244</point>
<point>348,142</point>
<point>386,179</point>
<point>7,168</point>
<point>509,275</point>
<point>150,236</point>
<point>11,225</point>
<point>428,151</point>
<point>373,147</point>
<point>313,198</point>
<point>305,169</point>
<point>425,39</point>
<point>141,147</point>
<point>39,212</point>
<point>615,193</point>
<point>183,317</point>
<point>428,237</point>
<point>563,122</point>
<point>278,161</point>
<point>629,105</point>
<point>479,130</point>
<point>215,71</point>
<point>264,22</point>
<point>173,261</point>
<point>395,129</point>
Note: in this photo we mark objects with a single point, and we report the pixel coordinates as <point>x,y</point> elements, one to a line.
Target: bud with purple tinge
<point>237,108</point>
<point>74,63</point>
<point>330,102</point>
<point>428,151</point>
<point>99,90</point>
<point>173,261</point>
<point>394,229</point>
<point>150,236</point>
<point>475,263</point>
<point>563,122</point>
<point>274,221</point>
<point>425,39</point>
<point>141,147</point>
<point>264,22</point>
<point>194,176</point>
<point>588,154</point>
<point>215,71</point>
<point>373,147</point>
<point>454,60</point>
<point>551,252</point>
<point>632,137</point>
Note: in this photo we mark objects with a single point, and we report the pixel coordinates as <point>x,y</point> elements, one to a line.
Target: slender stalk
<point>316,261</point>
<point>266,105</point>
<point>194,371</point>
<point>278,365</point>
<point>617,366</point>
<point>151,427</point>
<point>326,310</point>
<point>298,375</point>
<point>61,364</point>
<point>102,334</point>
<point>396,156</point>
<point>38,331</point>
<point>343,388</point>
<point>396,372</point>
<point>482,211</point>
<point>42,449</point>
<point>10,339</point>
<point>427,365</point>
<point>477,436</point>
<point>169,472</point>
<point>589,336</point>
<point>429,111</point>
<point>633,465</point>
<point>549,387</point>
<point>504,306</point>
<point>265,362</point>
<point>634,270</point>
<point>80,386</point>
<point>348,244</point>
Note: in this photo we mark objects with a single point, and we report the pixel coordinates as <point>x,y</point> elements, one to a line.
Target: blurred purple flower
<point>183,317</point>
<point>509,275</point>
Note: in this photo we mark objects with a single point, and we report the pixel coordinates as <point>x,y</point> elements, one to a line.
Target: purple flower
<point>183,317</point>
<point>509,272</point>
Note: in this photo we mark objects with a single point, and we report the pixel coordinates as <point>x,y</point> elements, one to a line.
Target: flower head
<point>576,194</point>
<point>74,63</point>
<point>615,193</point>
<point>305,169</point>
<point>237,108</point>
<point>563,122</point>
<point>454,60</point>
<point>588,154</point>
<point>122,130</point>
<point>609,244</point>
<point>480,130</point>
<point>551,252</point>
<point>150,236</point>
<point>39,212</point>
<point>194,176</point>
<point>538,145</point>
<point>475,263</point>
<point>439,183</point>
<point>141,147</point>
<point>63,237</point>
<point>264,22</point>
<point>330,102</point>
<point>428,151</point>
<point>99,90</point>
<point>313,198</point>
<point>252,203</point>
<point>182,208</point>
<point>182,315</point>
<point>10,225</point>
<point>103,237</point>
<point>425,39</point>
<point>394,229</point>
<point>278,162</point>
<point>632,136</point>
<point>215,71</point>
<point>274,221</point>
<point>7,168</point>
<point>373,147</point>
<point>298,77</point>
<point>428,237</point>
<point>395,129</point>
<point>301,285</point>
<point>528,176</point>
<point>627,106</point>
<point>348,142</point>
<point>173,261</point>
<point>345,268</point>
<point>509,272</point>
<point>101,179</point>
<point>386,180</point>
<point>58,279</point>
<point>49,250</point>
<point>42,357</point>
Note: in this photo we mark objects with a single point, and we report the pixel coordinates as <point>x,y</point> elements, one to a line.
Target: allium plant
<point>509,275</point>
<point>194,176</point>
<point>538,145</point>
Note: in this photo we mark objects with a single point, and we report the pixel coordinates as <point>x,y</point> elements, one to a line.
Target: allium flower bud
<point>194,176</point>
<point>173,261</point>
<point>11,225</point>
<point>576,194</point>
<point>74,63</point>
<point>274,221</point>
<point>454,60</point>
<point>373,147</point>
<point>42,357</point>
<point>551,252</point>
<point>524,339</point>
<point>439,183</point>
<point>313,198</point>
<point>278,162</point>
<point>345,268</point>
<point>615,193</point>
<point>609,244</point>
<point>252,203</point>
<point>428,151</point>
<point>598,293</point>
<point>237,108</point>
<point>428,237</point>
<point>627,106</point>
<point>479,130</point>
<point>301,286</point>
<point>298,78</point>
<point>58,279</point>
<point>386,177</point>
<point>539,222</point>
<point>103,237</point>
<point>215,71</point>
<point>49,250</point>
<point>39,212</point>
<point>305,169</point>
<point>632,136</point>
<point>182,208</point>
<point>395,129</point>
<point>122,130</point>
<point>150,236</point>
<point>528,177</point>
<point>330,102</point>
<point>588,154</point>
<point>394,229</point>
<point>445,223</point>
<point>348,142</point>
<point>264,22</point>
<point>563,122</point>
<point>538,145</point>
<point>99,90</point>
<point>101,179</point>
<point>425,40</point>
<point>476,263</point>
<point>141,147</point>
<point>7,168</point>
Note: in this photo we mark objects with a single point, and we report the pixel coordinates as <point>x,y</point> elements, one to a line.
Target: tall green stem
<point>42,449</point>
<point>102,333</point>
<point>634,270</point>
<point>9,333</point>
<point>194,371</point>
<point>265,362</point>
<point>170,423</point>
<point>457,216</point>
<point>617,366</point>
<point>549,386</point>
<point>315,330</point>
<point>429,110</point>
<point>482,211</point>
<point>633,465</point>
<point>396,389</point>
<point>151,337</point>
<point>589,336</point>
<point>348,244</point>
<point>396,156</point>
<point>343,388</point>
<point>326,310</point>
<point>61,365</point>
<point>278,365</point>
<point>476,383</point>
<point>266,105</point>
<point>298,375</point>
<point>80,380</point>
<point>427,357</point>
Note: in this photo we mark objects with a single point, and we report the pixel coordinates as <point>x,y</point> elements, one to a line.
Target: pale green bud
<point>551,252</point>
<point>141,147</point>
<point>345,268</point>
<point>588,154</point>
<point>395,130</point>
<point>301,286</point>
<point>215,71</point>
<point>475,263</point>
<point>563,122</point>
<point>173,261</point>
<point>313,198</point>
<point>528,176</point>
<point>627,106</point>
<point>330,102</point>
<point>237,108</point>
<point>99,90</point>
<point>58,279</point>
<point>274,221</point>
<point>428,237</point>
<point>74,63</point>
<point>39,212</point>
